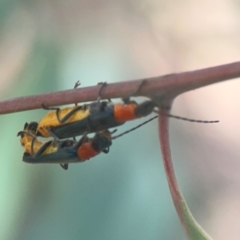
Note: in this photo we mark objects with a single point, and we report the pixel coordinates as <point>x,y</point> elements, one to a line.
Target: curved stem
<point>192,228</point>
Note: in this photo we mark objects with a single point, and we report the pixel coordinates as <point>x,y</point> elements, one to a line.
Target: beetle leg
<point>126,100</point>
<point>103,84</point>
<point>76,85</point>
<point>68,115</point>
<point>43,105</point>
<point>106,150</point>
<point>64,166</point>
<point>52,108</point>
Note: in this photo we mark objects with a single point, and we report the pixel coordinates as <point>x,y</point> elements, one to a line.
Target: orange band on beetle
<point>124,112</point>
<point>85,151</point>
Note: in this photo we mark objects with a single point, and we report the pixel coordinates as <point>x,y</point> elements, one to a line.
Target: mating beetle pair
<point>65,151</point>
<point>80,120</point>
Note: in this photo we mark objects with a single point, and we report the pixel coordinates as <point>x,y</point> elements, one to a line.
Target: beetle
<point>96,116</point>
<point>66,151</point>
<point>62,152</point>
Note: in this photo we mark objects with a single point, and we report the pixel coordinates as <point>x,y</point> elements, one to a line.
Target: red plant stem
<point>157,87</point>
<point>169,169</point>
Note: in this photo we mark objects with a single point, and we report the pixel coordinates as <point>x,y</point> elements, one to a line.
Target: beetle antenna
<point>183,118</point>
<point>132,129</point>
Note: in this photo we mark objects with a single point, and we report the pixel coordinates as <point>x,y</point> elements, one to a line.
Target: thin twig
<point>157,88</point>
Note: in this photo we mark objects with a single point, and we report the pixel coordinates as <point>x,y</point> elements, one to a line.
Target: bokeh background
<point>48,45</point>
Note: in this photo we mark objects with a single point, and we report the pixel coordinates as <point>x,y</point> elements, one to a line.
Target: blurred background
<point>48,45</point>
